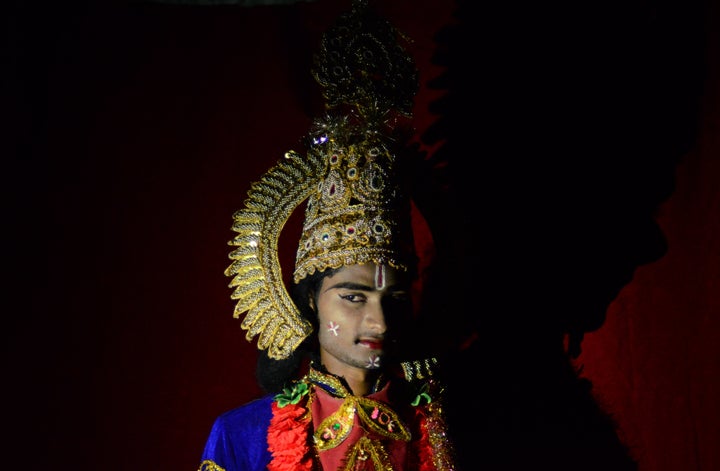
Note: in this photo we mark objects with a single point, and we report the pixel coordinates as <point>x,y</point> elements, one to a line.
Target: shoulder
<point>416,386</point>
<point>238,438</point>
<point>251,415</point>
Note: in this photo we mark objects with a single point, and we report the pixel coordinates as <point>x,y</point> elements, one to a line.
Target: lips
<point>371,344</point>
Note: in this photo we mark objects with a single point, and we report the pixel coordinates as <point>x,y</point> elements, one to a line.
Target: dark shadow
<point>561,128</point>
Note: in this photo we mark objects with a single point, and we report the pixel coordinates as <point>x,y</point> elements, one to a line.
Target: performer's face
<point>360,308</point>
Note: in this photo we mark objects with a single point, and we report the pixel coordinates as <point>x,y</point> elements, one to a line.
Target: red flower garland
<point>288,439</point>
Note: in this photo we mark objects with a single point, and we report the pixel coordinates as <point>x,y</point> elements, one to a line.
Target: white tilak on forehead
<point>379,276</point>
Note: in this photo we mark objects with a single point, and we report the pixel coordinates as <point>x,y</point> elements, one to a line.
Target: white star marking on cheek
<point>333,327</point>
<point>373,361</point>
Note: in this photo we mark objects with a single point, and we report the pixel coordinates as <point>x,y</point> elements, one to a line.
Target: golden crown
<point>357,211</point>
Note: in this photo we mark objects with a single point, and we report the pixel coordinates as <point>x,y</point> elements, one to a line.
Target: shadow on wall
<point>561,139</point>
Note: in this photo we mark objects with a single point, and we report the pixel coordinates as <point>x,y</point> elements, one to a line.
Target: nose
<point>375,318</point>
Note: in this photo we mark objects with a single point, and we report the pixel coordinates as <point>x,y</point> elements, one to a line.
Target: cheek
<point>399,324</point>
<point>331,329</point>
<point>331,321</point>
<point>331,333</point>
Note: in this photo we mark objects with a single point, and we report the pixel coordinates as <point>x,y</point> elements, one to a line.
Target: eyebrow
<point>350,285</point>
<point>362,287</point>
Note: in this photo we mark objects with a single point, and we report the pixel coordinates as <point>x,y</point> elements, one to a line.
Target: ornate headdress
<point>357,211</point>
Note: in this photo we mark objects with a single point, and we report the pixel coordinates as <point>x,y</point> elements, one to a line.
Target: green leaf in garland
<point>292,395</point>
<point>422,396</point>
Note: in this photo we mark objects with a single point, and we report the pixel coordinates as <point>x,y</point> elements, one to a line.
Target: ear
<point>311,301</point>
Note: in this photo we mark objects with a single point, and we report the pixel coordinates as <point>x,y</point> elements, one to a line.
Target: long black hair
<point>271,374</point>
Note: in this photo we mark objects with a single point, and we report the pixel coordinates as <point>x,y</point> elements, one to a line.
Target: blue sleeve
<point>238,439</point>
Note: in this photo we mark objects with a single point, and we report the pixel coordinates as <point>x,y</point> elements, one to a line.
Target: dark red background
<point>134,132</point>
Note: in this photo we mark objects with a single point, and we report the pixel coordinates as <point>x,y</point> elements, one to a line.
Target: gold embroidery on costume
<point>432,445</point>
<point>336,427</point>
<point>381,419</point>
<point>443,456</point>
<point>329,382</point>
<point>364,449</point>
<point>333,385</point>
<point>209,465</point>
<point>373,415</point>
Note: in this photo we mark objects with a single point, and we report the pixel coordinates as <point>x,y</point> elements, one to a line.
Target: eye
<point>399,297</point>
<point>353,297</point>
<point>397,302</point>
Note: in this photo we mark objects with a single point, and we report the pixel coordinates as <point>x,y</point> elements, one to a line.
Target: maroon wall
<point>134,133</point>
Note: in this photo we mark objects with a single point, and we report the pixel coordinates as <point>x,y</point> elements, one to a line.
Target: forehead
<point>366,274</point>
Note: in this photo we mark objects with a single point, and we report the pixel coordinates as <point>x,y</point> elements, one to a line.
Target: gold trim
<point>209,465</point>
<point>336,427</point>
<point>364,447</point>
<point>257,277</point>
